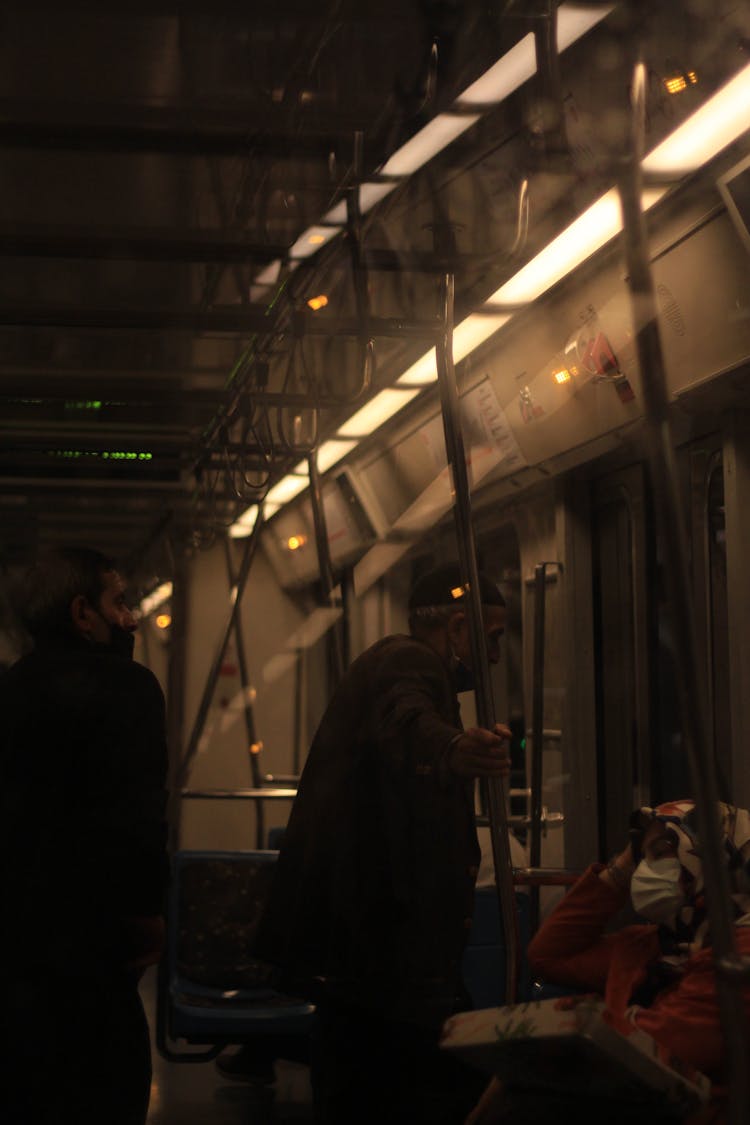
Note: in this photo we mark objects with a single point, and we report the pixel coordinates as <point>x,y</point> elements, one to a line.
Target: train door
<point>623,566</point>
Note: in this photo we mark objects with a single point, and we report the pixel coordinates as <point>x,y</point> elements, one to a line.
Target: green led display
<point>83,404</point>
<point>105,454</point>
<point>126,455</point>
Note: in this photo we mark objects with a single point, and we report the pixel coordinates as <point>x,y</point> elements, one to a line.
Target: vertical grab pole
<point>324,556</point>
<point>495,788</point>
<point>728,966</point>
<point>537,737</point>
<point>247,707</point>
<point>234,600</point>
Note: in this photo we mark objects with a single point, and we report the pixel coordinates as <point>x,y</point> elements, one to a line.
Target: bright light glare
<point>312,240</point>
<point>474,330</point>
<point>369,194</point>
<point>156,598</point>
<point>561,376</point>
<point>377,411</point>
<point>318,302</point>
<point>331,452</point>
<point>432,139</point>
<point>508,73</point>
<point>468,335</point>
<point>718,122</point>
<point>244,524</point>
<point>598,224</point>
<point>287,488</point>
<point>421,373</point>
<point>163,620</point>
<point>586,234</point>
<point>722,119</point>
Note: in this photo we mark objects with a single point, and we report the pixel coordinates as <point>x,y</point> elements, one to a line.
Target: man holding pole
<point>373,899</point>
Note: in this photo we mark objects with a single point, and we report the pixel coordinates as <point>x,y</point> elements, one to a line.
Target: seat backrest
<point>216,901</point>
<point>484,960</point>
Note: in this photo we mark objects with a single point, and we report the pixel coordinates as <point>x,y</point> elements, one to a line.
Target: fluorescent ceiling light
<point>509,72</point>
<point>428,142</point>
<point>421,373</point>
<point>311,240</point>
<point>506,75</point>
<point>156,598</point>
<point>468,335</point>
<point>369,194</point>
<point>287,488</point>
<point>598,224</point>
<point>502,79</point>
<point>474,330</point>
<point>718,122</point>
<point>331,452</point>
<point>377,411</point>
<point>244,524</point>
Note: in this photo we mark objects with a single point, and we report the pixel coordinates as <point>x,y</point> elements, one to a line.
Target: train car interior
<point>299,302</point>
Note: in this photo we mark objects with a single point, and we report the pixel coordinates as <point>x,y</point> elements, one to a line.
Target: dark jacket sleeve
<point>571,947</point>
<point>414,706</point>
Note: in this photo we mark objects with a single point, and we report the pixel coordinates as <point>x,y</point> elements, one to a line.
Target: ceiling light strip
<point>502,79</point>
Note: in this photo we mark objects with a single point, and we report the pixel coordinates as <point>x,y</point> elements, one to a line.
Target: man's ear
<point>456,626</point>
<point>80,615</point>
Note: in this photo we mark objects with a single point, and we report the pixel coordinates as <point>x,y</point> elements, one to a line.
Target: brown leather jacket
<point>374,891</point>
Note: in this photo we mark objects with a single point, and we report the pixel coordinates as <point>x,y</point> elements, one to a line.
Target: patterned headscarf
<point>734,826</point>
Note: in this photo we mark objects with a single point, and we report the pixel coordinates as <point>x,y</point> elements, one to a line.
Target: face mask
<point>121,641</point>
<point>656,891</point>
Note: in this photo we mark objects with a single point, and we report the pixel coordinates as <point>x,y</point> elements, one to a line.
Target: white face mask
<point>656,890</point>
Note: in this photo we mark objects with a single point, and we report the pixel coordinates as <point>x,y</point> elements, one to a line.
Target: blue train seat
<point>212,991</point>
<point>484,959</point>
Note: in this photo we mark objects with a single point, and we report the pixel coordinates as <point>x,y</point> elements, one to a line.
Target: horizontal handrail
<point>268,794</point>
<point>549,820</point>
<point>545,877</point>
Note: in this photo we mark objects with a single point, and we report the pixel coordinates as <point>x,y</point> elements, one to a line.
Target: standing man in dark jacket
<point>373,898</point>
<point>83,843</point>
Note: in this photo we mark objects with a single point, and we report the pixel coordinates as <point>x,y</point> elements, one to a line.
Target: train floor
<point>196,1094</point>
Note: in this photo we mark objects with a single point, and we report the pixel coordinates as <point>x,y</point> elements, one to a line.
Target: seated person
<point>658,976</point>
